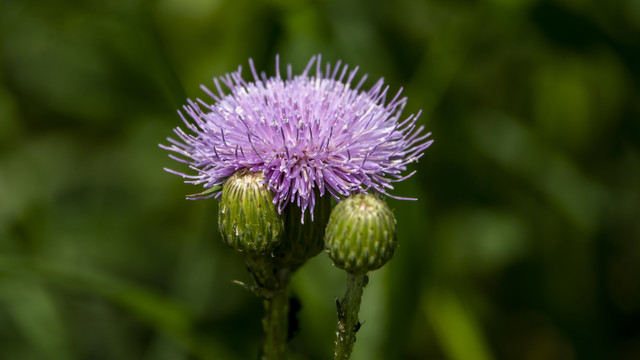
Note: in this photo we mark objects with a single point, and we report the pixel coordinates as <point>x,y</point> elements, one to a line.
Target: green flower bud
<point>361,234</point>
<point>247,218</point>
<point>301,241</point>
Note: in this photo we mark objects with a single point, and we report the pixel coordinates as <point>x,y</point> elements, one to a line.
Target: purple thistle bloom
<point>304,133</point>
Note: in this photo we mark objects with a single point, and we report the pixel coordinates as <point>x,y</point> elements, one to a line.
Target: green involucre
<point>301,241</point>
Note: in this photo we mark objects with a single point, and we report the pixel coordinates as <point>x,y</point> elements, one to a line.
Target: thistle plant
<point>250,224</point>
<point>360,237</point>
<point>304,139</point>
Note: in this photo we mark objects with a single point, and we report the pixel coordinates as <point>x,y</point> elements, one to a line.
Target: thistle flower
<point>304,133</point>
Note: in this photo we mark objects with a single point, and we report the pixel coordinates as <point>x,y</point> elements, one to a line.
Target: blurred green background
<point>525,243</point>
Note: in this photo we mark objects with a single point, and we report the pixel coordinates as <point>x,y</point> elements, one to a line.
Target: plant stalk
<point>348,308</point>
<point>276,319</point>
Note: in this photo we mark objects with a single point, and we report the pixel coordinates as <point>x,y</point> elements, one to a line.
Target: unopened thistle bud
<point>248,220</point>
<point>361,234</point>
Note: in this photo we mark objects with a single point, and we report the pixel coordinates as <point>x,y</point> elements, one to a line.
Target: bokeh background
<point>525,243</point>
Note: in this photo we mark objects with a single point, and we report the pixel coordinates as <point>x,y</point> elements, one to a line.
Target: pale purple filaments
<point>305,133</point>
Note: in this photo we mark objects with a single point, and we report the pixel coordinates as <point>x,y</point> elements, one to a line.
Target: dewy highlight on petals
<point>309,134</point>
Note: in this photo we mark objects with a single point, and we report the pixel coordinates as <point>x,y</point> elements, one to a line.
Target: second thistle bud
<point>361,234</point>
<point>248,220</point>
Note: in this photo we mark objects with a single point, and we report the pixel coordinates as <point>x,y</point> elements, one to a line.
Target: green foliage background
<point>525,243</point>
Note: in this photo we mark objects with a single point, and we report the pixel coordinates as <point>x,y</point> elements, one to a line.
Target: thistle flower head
<point>313,131</point>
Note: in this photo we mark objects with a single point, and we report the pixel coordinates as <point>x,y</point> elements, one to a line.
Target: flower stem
<point>348,308</point>
<point>276,319</point>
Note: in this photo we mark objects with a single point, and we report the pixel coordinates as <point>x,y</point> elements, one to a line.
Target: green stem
<point>348,309</point>
<point>276,319</point>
